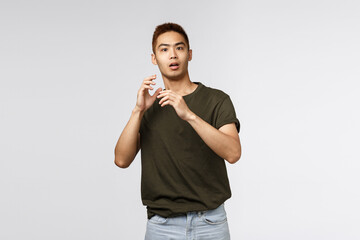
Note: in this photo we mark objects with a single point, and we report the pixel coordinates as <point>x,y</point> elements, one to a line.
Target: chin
<point>177,76</point>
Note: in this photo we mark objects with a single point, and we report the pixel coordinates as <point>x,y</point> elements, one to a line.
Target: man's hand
<point>224,142</point>
<point>144,99</point>
<point>177,102</point>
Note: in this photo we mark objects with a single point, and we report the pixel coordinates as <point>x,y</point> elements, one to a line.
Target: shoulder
<point>214,93</point>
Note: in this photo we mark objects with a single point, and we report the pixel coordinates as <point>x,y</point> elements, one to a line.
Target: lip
<point>174,67</point>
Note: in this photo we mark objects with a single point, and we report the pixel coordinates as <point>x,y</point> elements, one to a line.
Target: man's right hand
<point>144,99</point>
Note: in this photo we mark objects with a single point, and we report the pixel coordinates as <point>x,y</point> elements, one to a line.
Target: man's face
<point>171,49</point>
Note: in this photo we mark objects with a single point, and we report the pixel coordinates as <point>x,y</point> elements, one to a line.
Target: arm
<point>224,142</point>
<point>128,144</point>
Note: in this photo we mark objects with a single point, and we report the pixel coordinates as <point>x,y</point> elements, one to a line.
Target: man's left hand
<point>169,97</point>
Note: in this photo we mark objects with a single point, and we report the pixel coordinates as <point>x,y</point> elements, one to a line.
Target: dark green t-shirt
<point>180,173</point>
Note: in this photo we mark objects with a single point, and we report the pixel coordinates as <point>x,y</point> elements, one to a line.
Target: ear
<point>190,54</point>
<point>153,59</point>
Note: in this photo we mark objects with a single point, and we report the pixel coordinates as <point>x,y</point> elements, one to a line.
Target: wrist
<point>191,117</point>
<point>138,111</point>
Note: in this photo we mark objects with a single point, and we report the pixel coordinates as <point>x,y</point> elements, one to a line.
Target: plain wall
<point>70,72</point>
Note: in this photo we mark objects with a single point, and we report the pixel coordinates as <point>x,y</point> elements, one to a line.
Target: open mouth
<point>174,66</point>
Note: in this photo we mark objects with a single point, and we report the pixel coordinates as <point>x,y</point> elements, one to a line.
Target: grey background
<point>70,71</point>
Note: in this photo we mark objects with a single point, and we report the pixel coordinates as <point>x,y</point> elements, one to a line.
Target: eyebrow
<point>164,44</point>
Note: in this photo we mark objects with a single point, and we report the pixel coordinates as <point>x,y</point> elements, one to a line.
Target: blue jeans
<point>203,225</point>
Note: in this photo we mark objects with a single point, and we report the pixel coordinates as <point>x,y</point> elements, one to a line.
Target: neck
<point>181,86</point>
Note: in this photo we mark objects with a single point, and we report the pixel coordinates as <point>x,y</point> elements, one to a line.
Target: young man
<point>185,132</point>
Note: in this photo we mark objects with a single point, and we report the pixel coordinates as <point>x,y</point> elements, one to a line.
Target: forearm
<point>222,144</point>
<point>126,147</point>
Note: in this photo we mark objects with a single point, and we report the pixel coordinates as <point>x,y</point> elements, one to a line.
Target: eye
<point>164,49</point>
<point>180,48</point>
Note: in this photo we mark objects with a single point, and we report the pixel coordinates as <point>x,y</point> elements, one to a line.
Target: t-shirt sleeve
<point>225,114</point>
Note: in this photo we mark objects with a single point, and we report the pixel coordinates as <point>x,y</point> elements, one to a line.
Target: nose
<point>173,54</point>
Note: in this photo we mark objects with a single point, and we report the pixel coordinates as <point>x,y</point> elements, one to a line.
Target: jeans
<point>203,225</point>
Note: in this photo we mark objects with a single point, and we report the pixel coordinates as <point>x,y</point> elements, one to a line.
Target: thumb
<point>156,92</point>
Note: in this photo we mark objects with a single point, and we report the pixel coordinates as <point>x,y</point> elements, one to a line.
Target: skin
<point>171,47</point>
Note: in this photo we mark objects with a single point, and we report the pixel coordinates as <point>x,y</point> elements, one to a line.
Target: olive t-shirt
<point>180,173</point>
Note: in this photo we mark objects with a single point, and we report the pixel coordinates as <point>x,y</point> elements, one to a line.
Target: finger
<point>163,99</point>
<point>144,87</point>
<point>152,77</point>
<point>147,86</point>
<point>148,82</point>
<point>168,102</point>
<point>168,92</point>
<point>163,93</point>
<point>156,92</point>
